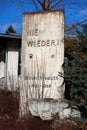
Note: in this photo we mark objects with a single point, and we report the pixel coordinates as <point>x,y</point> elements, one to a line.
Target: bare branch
<point>46,4</point>
<point>37,7</point>
<point>40,3</point>
<point>55,4</point>
<point>74,25</point>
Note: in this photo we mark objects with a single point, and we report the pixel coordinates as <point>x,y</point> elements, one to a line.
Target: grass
<point>9,117</point>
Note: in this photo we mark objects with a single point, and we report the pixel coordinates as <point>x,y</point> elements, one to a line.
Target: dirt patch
<point>9,109</point>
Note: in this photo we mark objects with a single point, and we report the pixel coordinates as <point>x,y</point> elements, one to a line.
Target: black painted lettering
<point>43,43</point>
<point>34,43</point>
<point>53,43</point>
<point>48,42</point>
<point>30,43</point>
<point>36,32</point>
<point>38,43</point>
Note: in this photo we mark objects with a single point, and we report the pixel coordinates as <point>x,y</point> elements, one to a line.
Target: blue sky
<point>11,12</point>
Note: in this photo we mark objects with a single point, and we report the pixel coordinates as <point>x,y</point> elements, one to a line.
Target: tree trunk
<point>46,4</point>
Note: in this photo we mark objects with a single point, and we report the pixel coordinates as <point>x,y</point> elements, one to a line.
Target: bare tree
<point>51,4</point>
<point>38,5</point>
<point>74,25</point>
<point>46,4</point>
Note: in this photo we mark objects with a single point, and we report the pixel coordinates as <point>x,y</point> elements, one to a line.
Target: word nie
<point>33,32</point>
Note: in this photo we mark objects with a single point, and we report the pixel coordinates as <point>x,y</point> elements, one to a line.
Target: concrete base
<point>46,108</point>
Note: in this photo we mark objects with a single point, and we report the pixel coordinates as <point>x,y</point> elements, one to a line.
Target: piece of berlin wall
<point>43,54</point>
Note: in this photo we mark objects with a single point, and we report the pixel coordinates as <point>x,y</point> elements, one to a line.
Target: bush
<point>76,71</point>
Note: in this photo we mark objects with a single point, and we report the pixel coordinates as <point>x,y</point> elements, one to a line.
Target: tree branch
<point>40,3</point>
<point>35,4</point>
<point>74,25</point>
<point>55,4</point>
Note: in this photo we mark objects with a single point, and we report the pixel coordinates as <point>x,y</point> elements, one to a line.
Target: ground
<point>9,117</point>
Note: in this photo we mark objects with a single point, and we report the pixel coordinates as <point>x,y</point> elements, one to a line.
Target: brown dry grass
<point>9,112</point>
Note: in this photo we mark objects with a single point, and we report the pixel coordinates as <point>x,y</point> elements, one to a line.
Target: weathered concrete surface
<point>12,67</point>
<point>2,64</point>
<point>43,54</point>
<point>46,109</point>
<point>42,57</point>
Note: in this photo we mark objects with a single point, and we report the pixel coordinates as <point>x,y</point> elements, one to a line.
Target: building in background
<point>10,49</point>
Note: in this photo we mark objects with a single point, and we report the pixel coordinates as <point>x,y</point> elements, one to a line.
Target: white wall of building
<point>12,67</point>
<point>2,65</point>
<point>9,64</point>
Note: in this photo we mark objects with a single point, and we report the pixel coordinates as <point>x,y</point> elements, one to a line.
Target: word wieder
<point>42,43</point>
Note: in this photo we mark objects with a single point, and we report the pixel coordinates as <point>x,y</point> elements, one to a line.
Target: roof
<point>11,36</point>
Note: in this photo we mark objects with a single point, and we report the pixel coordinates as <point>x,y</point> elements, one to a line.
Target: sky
<point>11,12</point>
